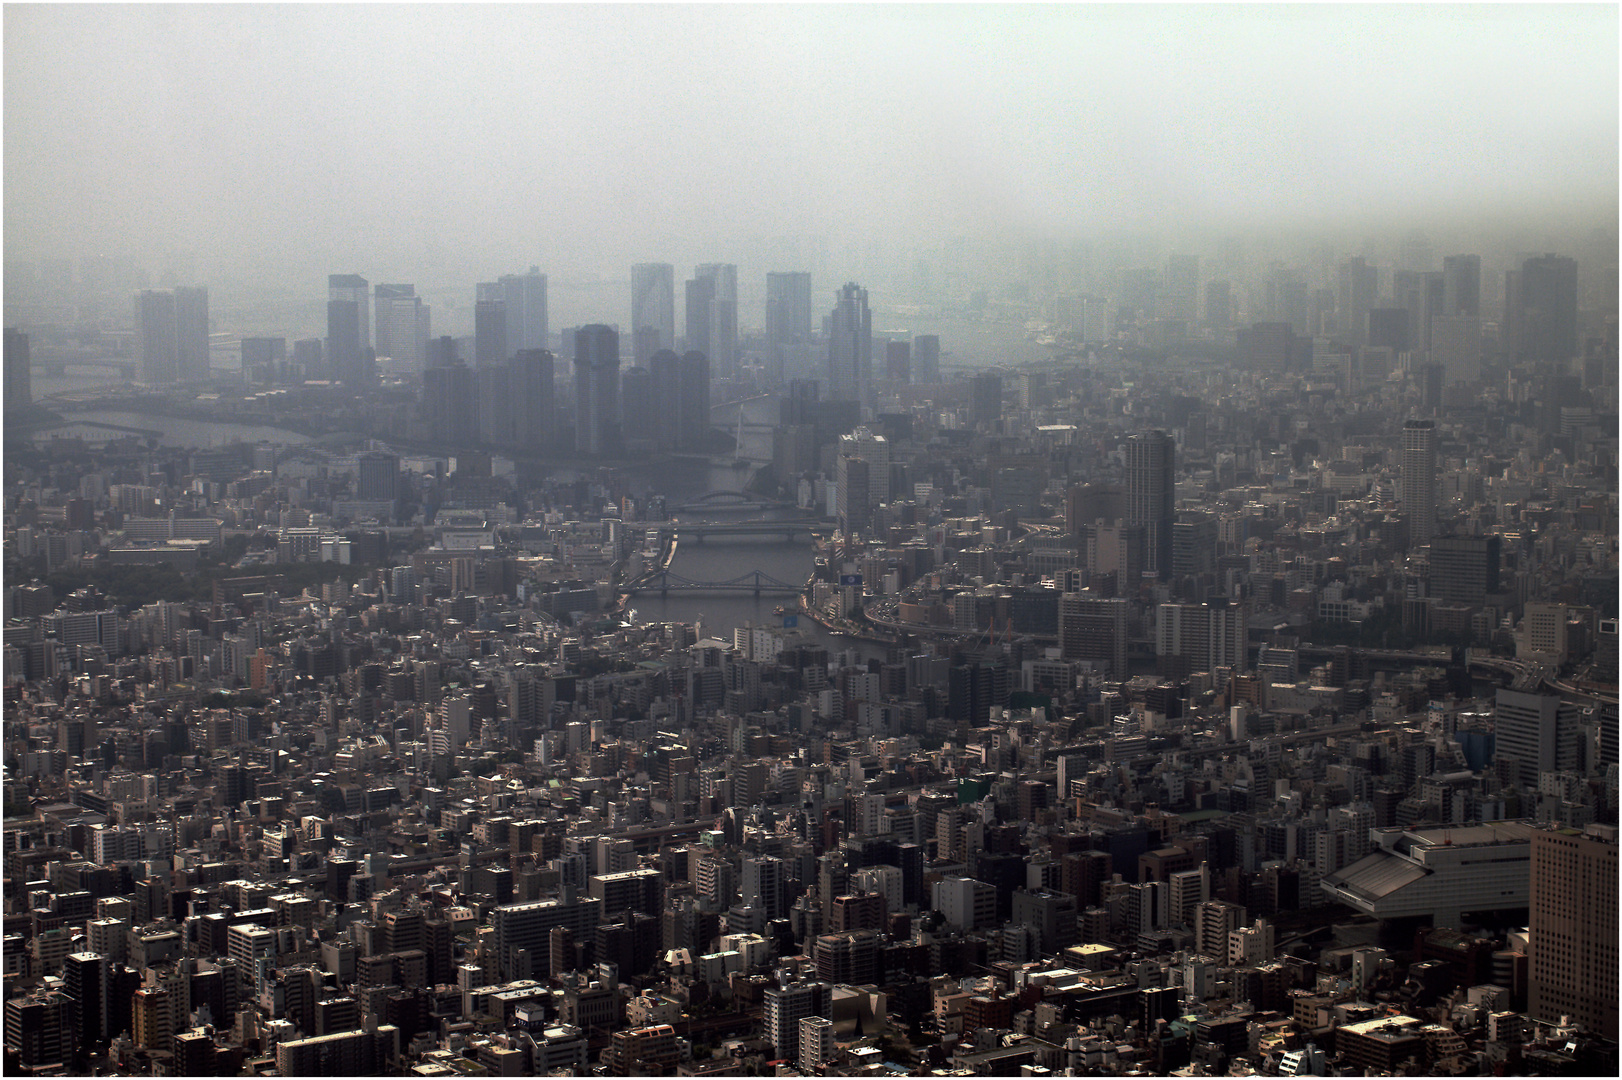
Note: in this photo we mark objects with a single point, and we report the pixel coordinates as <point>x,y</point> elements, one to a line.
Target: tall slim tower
<point>191,332</point>
<point>403,325</point>
<point>1573,902</point>
<point>1356,286</point>
<point>926,358</point>
<point>19,376</point>
<point>788,317</point>
<point>596,390</point>
<point>1151,495</point>
<point>525,298</point>
<point>1419,479</point>
<point>155,318</point>
<point>1547,319</point>
<point>712,316</point>
<point>490,343</point>
<point>1461,285</point>
<point>850,345</point>
<point>349,332</point>
<point>653,304</point>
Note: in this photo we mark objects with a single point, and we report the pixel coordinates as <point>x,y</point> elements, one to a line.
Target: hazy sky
<point>394,140</point>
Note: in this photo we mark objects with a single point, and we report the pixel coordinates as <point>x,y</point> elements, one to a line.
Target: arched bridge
<point>663,581</point>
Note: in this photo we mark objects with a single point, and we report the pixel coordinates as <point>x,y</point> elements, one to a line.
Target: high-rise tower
<point>1547,316</point>
<point>1151,495</point>
<point>596,390</point>
<point>653,305</point>
<point>349,334</point>
<point>155,319</point>
<point>712,316</point>
<point>788,318</point>
<point>403,326</point>
<point>850,345</point>
<point>525,298</point>
<point>19,376</point>
<point>1419,479</point>
<point>1572,939</point>
<point>191,332</point>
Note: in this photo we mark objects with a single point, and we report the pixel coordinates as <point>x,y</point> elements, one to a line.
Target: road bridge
<point>788,530</point>
<point>730,500</point>
<point>664,582</point>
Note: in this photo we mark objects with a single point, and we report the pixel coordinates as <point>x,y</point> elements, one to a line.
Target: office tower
<point>1151,496</point>
<point>712,316</point>
<point>874,449</point>
<point>596,390</point>
<point>1182,288</point>
<point>1572,942</point>
<point>1541,732</point>
<point>450,404</point>
<point>85,978</point>
<point>19,374</point>
<point>308,359</point>
<point>155,320</point>
<point>403,326</point>
<point>898,361</point>
<point>441,352</point>
<point>524,300</point>
<point>1464,569</point>
<point>495,406</point>
<point>1356,286</point>
<point>639,410</point>
<point>1419,479</point>
<point>191,333</point>
<point>785,1006</point>
<point>1199,637</point>
<point>1094,629</point>
<point>926,358</point>
<point>349,333</point>
<point>653,306</point>
<point>985,399</point>
<point>788,319</point>
<point>1273,347</point>
<point>1456,346</point>
<point>1218,306</point>
<point>1546,312</point>
<point>490,331</point>
<point>1388,329</point>
<point>263,358</point>
<point>532,389</point>
<point>850,345</point>
<point>378,476</point>
<point>681,395</point>
<point>1461,285</point>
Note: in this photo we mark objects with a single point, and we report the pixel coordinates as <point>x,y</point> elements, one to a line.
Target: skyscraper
<point>191,332</point>
<point>1547,316</point>
<point>1151,496</point>
<point>985,398</point>
<point>490,344</point>
<point>926,358</point>
<point>349,334</point>
<point>532,387</point>
<point>403,326</point>
<point>1419,479</point>
<point>596,390</point>
<point>681,395</point>
<point>1541,732</point>
<point>1356,285</point>
<point>712,316</point>
<point>788,318</point>
<point>450,404</point>
<point>653,304</point>
<point>1572,941</point>
<point>850,345</point>
<point>155,319</point>
<point>525,298</point>
<point>19,375</point>
<point>1461,285</point>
